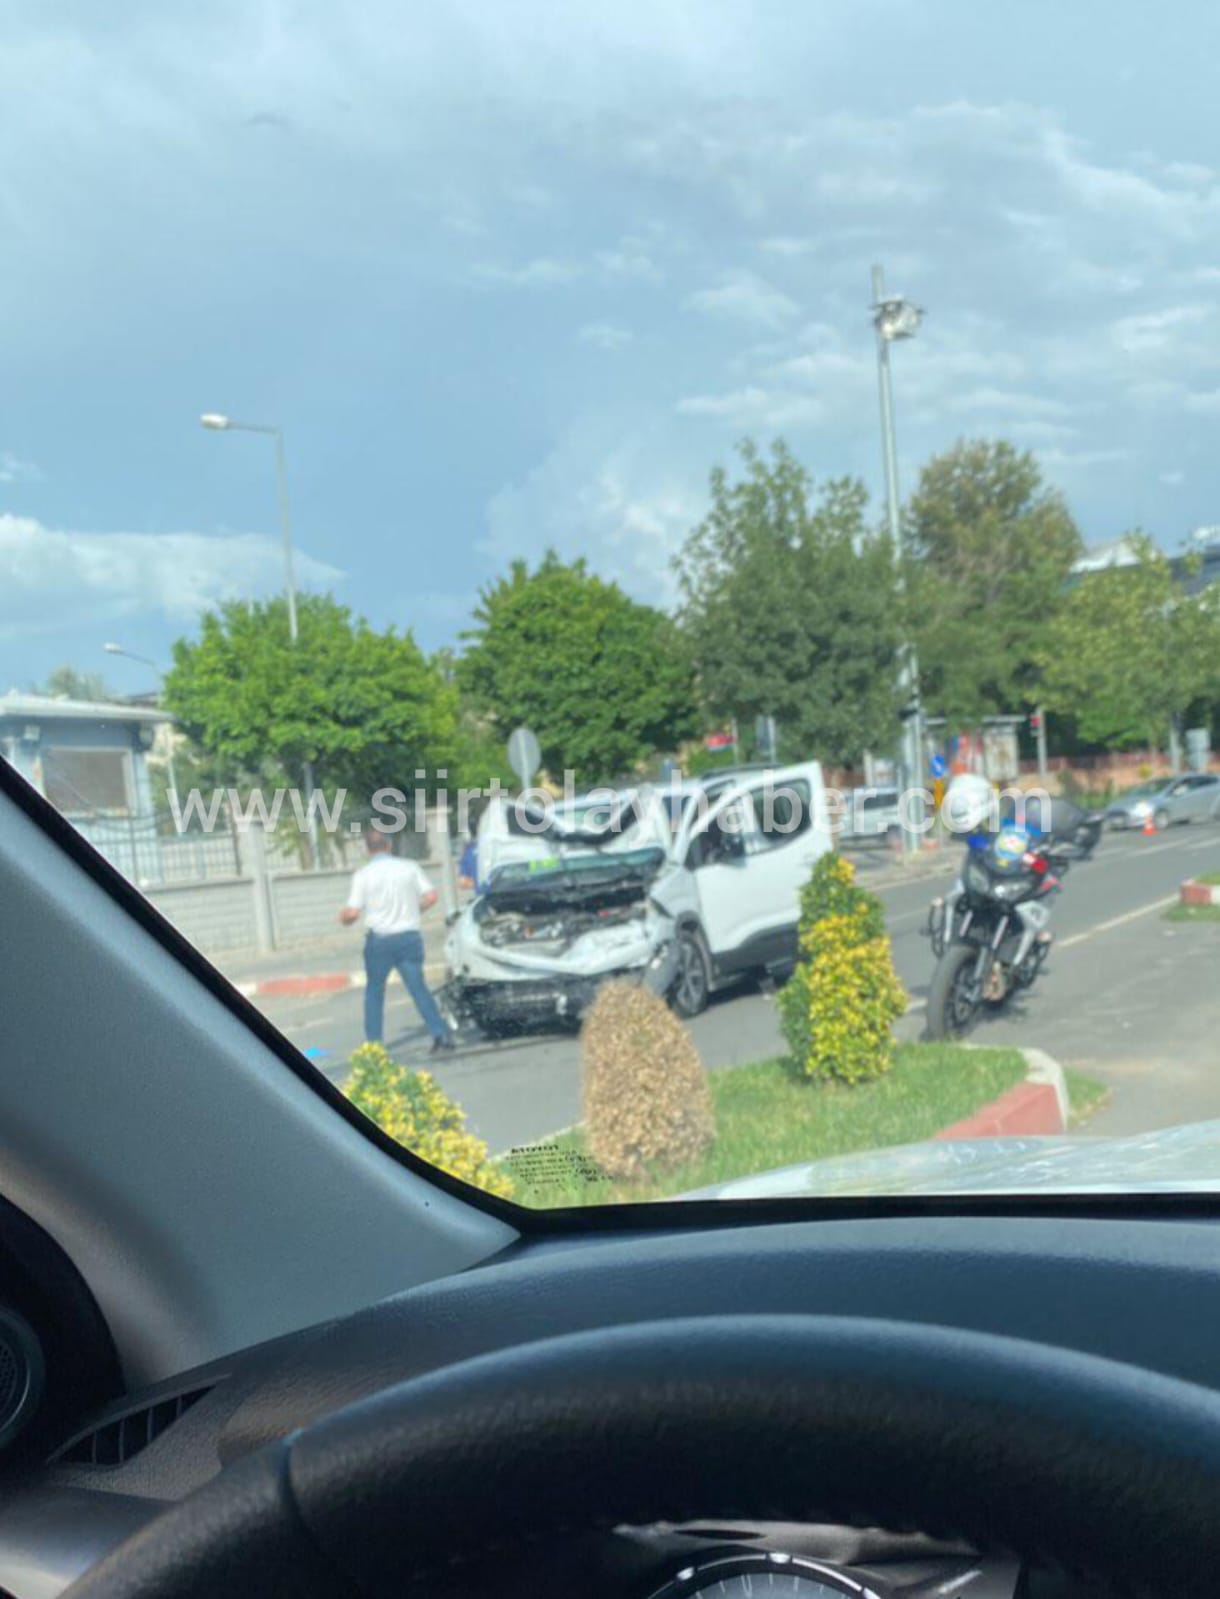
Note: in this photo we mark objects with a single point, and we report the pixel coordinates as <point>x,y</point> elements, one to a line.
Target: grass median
<point>767,1117</point>
<point>1197,913</point>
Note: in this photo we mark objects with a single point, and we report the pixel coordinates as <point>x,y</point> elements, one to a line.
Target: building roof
<point>47,707</point>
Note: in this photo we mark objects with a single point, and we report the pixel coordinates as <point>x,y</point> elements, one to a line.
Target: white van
<point>684,887</point>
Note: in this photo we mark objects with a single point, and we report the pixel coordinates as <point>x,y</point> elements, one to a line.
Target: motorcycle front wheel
<point>952,1007</point>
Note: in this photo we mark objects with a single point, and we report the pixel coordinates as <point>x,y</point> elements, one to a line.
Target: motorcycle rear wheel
<point>951,1008</point>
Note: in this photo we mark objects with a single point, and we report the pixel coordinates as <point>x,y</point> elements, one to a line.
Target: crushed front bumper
<point>494,994</point>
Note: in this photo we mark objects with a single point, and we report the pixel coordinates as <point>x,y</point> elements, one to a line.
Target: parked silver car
<point>1192,798</point>
<point>871,813</point>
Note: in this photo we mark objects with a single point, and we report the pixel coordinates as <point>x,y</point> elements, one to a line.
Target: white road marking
<point>1115,921</point>
<point>1089,932</point>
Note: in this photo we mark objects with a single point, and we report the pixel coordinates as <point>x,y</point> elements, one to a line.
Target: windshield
<point>690,467</point>
<point>1146,790</point>
<point>578,867</point>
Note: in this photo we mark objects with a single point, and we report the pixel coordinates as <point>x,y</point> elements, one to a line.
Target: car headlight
<point>1141,808</point>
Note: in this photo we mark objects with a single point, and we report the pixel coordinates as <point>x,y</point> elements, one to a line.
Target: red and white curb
<point>1192,893</point>
<point>320,983</point>
<point>1036,1107</point>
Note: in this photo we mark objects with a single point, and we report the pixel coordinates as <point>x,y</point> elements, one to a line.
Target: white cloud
<point>630,260</point>
<point>745,297</point>
<point>1036,430</point>
<point>1203,404</point>
<point>785,246</point>
<point>604,335</point>
<point>754,407</point>
<point>623,499</point>
<point>990,400</point>
<point>1080,460</point>
<point>66,577</point>
<point>1172,480</point>
<point>1157,330</point>
<point>15,470</point>
<point>543,272</point>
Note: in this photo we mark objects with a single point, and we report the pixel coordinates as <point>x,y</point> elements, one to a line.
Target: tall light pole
<point>144,660</point>
<point>897,318</point>
<point>217,422</point>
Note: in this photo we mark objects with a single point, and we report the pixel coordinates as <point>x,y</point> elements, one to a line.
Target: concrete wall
<point>215,916</point>
<point>305,905</point>
<point>219,916</point>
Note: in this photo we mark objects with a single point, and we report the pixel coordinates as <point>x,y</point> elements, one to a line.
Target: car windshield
<point>1146,790</point>
<point>578,868</point>
<point>538,538</point>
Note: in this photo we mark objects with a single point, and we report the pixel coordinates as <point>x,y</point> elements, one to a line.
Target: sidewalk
<point>879,867</point>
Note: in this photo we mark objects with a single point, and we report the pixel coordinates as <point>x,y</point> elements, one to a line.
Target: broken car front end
<point>534,949</point>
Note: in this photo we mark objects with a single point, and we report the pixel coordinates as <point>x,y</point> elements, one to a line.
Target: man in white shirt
<point>392,894</point>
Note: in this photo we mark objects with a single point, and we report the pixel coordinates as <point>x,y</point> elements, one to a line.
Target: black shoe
<point>443,1045</point>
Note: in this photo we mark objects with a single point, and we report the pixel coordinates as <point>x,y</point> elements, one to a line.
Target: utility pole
<point>217,422</point>
<point>897,318</point>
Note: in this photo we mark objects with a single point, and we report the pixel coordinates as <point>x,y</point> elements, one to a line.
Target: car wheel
<point>1160,819</point>
<point>693,983</point>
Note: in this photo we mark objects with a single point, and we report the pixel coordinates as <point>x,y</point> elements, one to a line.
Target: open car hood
<point>1173,1160</point>
<point>586,882</point>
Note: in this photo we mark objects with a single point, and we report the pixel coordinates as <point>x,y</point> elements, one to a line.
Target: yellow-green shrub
<point>413,1109</point>
<point>646,1101</point>
<point>840,1004</point>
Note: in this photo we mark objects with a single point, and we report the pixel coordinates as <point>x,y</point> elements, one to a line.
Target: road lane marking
<point>1115,921</point>
<point>1089,932</point>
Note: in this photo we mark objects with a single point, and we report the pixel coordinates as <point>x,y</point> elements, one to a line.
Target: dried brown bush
<point>646,1101</point>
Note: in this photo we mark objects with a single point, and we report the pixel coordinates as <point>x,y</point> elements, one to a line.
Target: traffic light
<point>1035,722</point>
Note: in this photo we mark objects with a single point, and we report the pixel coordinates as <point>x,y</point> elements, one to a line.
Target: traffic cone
<point>1149,827</point>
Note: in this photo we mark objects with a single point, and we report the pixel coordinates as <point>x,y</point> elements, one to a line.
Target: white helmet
<point>970,804</point>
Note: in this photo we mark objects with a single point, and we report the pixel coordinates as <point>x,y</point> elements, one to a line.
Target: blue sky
<point>515,273</point>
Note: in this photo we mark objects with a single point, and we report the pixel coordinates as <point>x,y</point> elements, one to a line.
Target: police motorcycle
<point>990,934</point>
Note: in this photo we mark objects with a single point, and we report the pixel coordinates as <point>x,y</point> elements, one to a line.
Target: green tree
<point>990,549</point>
<point>603,680</point>
<point>365,707</point>
<point>790,605</point>
<point>1131,651</point>
<point>74,684</point>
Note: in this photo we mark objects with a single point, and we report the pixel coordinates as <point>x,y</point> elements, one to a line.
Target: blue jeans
<point>404,953</point>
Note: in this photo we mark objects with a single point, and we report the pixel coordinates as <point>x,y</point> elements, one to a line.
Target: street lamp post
<point>216,422</point>
<point>897,318</point>
<point>144,660</point>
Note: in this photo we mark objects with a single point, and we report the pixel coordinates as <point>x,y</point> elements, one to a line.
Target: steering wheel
<point>1052,1455</point>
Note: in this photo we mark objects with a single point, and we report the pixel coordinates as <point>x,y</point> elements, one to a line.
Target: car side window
<point>781,814</point>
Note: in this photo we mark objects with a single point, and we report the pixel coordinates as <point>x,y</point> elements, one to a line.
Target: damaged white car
<point>683,888</point>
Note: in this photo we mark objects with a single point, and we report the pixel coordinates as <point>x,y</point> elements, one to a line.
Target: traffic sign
<point>524,754</point>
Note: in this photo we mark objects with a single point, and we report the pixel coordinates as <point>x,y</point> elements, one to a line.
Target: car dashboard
<point>1141,1291</point>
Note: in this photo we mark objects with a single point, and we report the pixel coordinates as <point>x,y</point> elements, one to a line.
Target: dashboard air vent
<point>116,1440</point>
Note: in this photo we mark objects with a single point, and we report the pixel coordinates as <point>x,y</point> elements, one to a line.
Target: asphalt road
<point>1130,998</point>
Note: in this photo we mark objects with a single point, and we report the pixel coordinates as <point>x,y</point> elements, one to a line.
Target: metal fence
<point>138,847</point>
<point>150,852</point>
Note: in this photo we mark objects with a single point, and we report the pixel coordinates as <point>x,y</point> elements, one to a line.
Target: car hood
<point>587,886</point>
<point>1173,1160</point>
